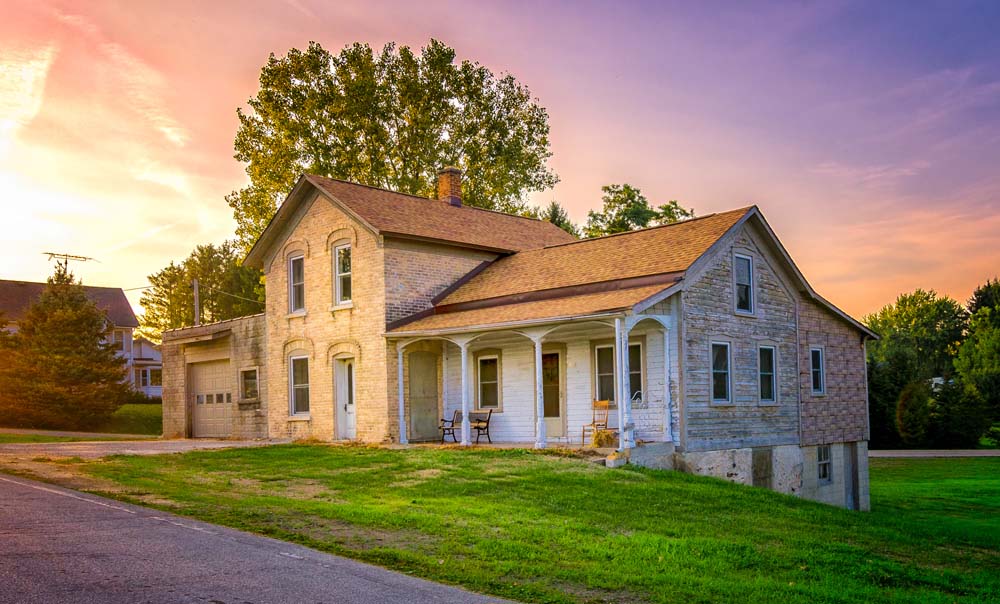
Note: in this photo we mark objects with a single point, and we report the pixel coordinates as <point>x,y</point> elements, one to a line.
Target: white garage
<point>211,397</point>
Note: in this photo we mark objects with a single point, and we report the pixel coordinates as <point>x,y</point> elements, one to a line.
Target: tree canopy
<point>227,290</point>
<point>389,119</point>
<point>625,208</point>
<point>60,368</point>
<point>557,215</point>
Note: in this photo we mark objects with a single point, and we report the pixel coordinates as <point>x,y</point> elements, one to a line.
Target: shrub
<point>913,411</point>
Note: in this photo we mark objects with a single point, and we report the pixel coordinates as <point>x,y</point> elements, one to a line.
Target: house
<point>387,312</point>
<point>17,296</point>
<point>147,368</point>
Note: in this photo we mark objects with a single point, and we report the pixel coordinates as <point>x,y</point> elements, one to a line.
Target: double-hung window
<point>766,371</point>
<point>604,375</point>
<point>342,274</point>
<point>720,372</point>
<point>824,467</point>
<point>488,373</point>
<point>155,377</point>
<point>817,371</point>
<point>298,379</point>
<point>296,284</point>
<point>743,279</point>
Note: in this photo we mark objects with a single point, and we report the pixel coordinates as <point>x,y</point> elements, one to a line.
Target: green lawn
<point>136,419</point>
<point>540,528</point>
<point>37,438</point>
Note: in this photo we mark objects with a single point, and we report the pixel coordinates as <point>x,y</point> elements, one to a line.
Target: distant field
<point>541,528</point>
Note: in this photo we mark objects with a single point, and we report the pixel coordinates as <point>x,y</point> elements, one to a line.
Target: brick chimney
<point>450,186</point>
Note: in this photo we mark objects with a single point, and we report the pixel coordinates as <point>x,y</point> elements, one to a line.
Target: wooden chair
<point>600,419</point>
<point>480,422</point>
<point>448,426</point>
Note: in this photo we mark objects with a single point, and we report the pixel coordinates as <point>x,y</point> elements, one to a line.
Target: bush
<point>958,416</point>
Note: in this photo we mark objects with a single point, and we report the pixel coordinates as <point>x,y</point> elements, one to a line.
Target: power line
<point>219,291</point>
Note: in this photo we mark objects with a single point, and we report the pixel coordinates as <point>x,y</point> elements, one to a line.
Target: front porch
<point>540,381</point>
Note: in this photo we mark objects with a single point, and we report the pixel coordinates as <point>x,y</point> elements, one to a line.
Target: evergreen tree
<point>60,368</point>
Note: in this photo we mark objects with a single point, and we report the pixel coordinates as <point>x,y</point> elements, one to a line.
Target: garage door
<point>212,399</point>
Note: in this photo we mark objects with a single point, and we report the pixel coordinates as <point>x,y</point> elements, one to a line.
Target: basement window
<point>824,467</point>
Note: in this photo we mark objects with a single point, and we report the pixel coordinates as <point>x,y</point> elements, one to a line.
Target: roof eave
<point>505,326</point>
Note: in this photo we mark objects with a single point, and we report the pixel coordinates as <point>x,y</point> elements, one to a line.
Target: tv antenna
<point>63,259</point>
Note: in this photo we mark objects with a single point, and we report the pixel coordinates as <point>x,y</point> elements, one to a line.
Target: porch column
<point>628,426</point>
<point>619,387</point>
<point>540,435</point>
<point>399,384</point>
<point>668,427</point>
<point>466,426</point>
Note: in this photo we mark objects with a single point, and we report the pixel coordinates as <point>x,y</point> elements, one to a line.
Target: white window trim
<point>822,371</point>
<point>291,387</point>
<point>753,292</point>
<point>774,374</point>
<point>479,383</point>
<point>729,373</point>
<point>255,369</point>
<point>828,463</point>
<point>338,302</point>
<point>614,370</point>
<point>291,285</point>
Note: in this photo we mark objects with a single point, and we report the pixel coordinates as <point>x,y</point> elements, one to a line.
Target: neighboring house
<point>17,296</point>
<point>387,312</point>
<point>147,368</point>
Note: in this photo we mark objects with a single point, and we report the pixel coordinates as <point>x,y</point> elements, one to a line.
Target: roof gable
<point>17,296</point>
<point>660,250</point>
<point>390,213</point>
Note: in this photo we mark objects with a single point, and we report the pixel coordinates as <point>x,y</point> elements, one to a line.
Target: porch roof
<point>568,307</point>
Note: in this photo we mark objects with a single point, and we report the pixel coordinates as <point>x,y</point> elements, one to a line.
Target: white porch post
<point>628,426</point>
<point>402,402</point>
<point>668,426</point>
<point>619,387</point>
<point>540,435</point>
<point>466,426</point>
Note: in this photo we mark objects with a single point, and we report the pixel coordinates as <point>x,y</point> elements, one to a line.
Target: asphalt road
<point>60,547</point>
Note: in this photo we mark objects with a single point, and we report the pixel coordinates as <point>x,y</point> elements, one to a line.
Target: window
<point>766,374</point>
<point>120,340</point>
<point>296,284</point>
<point>604,378</point>
<point>720,371</point>
<point>342,274</point>
<point>248,384</point>
<point>298,369</point>
<point>824,468</point>
<point>817,370</point>
<point>155,377</point>
<point>488,371</point>
<point>743,276</point>
<point>144,378</point>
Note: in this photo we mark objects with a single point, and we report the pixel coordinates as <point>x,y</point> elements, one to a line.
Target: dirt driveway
<point>96,449</point>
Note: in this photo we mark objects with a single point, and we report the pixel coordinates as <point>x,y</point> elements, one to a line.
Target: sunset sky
<point>868,133</point>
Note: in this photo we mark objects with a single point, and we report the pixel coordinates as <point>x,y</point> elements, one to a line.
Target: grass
<point>540,528</point>
<point>136,419</point>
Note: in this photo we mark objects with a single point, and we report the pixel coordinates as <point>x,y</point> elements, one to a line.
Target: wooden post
<point>197,302</point>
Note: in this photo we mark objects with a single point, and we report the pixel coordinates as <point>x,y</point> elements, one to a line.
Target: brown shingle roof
<point>389,212</point>
<point>558,308</point>
<point>658,250</point>
<point>16,296</point>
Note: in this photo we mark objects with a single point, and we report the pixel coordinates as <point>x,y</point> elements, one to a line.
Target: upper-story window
<point>342,274</point>
<point>743,277</point>
<point>720,372</point>
<point>817,370</point>
<point>119,340</point>
<point>296,284</point>
<point>767,368</point>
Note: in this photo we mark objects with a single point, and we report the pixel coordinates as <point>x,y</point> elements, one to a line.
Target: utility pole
<point>197,302</point>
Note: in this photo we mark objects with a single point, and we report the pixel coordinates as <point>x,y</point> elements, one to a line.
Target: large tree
<point>389,119</point>
<point>625,208</point>
<point>986,295</point>
<point>978,362</point>
<point>60,369</point>
<point>227,290</point>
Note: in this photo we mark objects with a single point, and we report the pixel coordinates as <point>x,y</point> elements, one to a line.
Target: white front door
<point>346,417</point>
